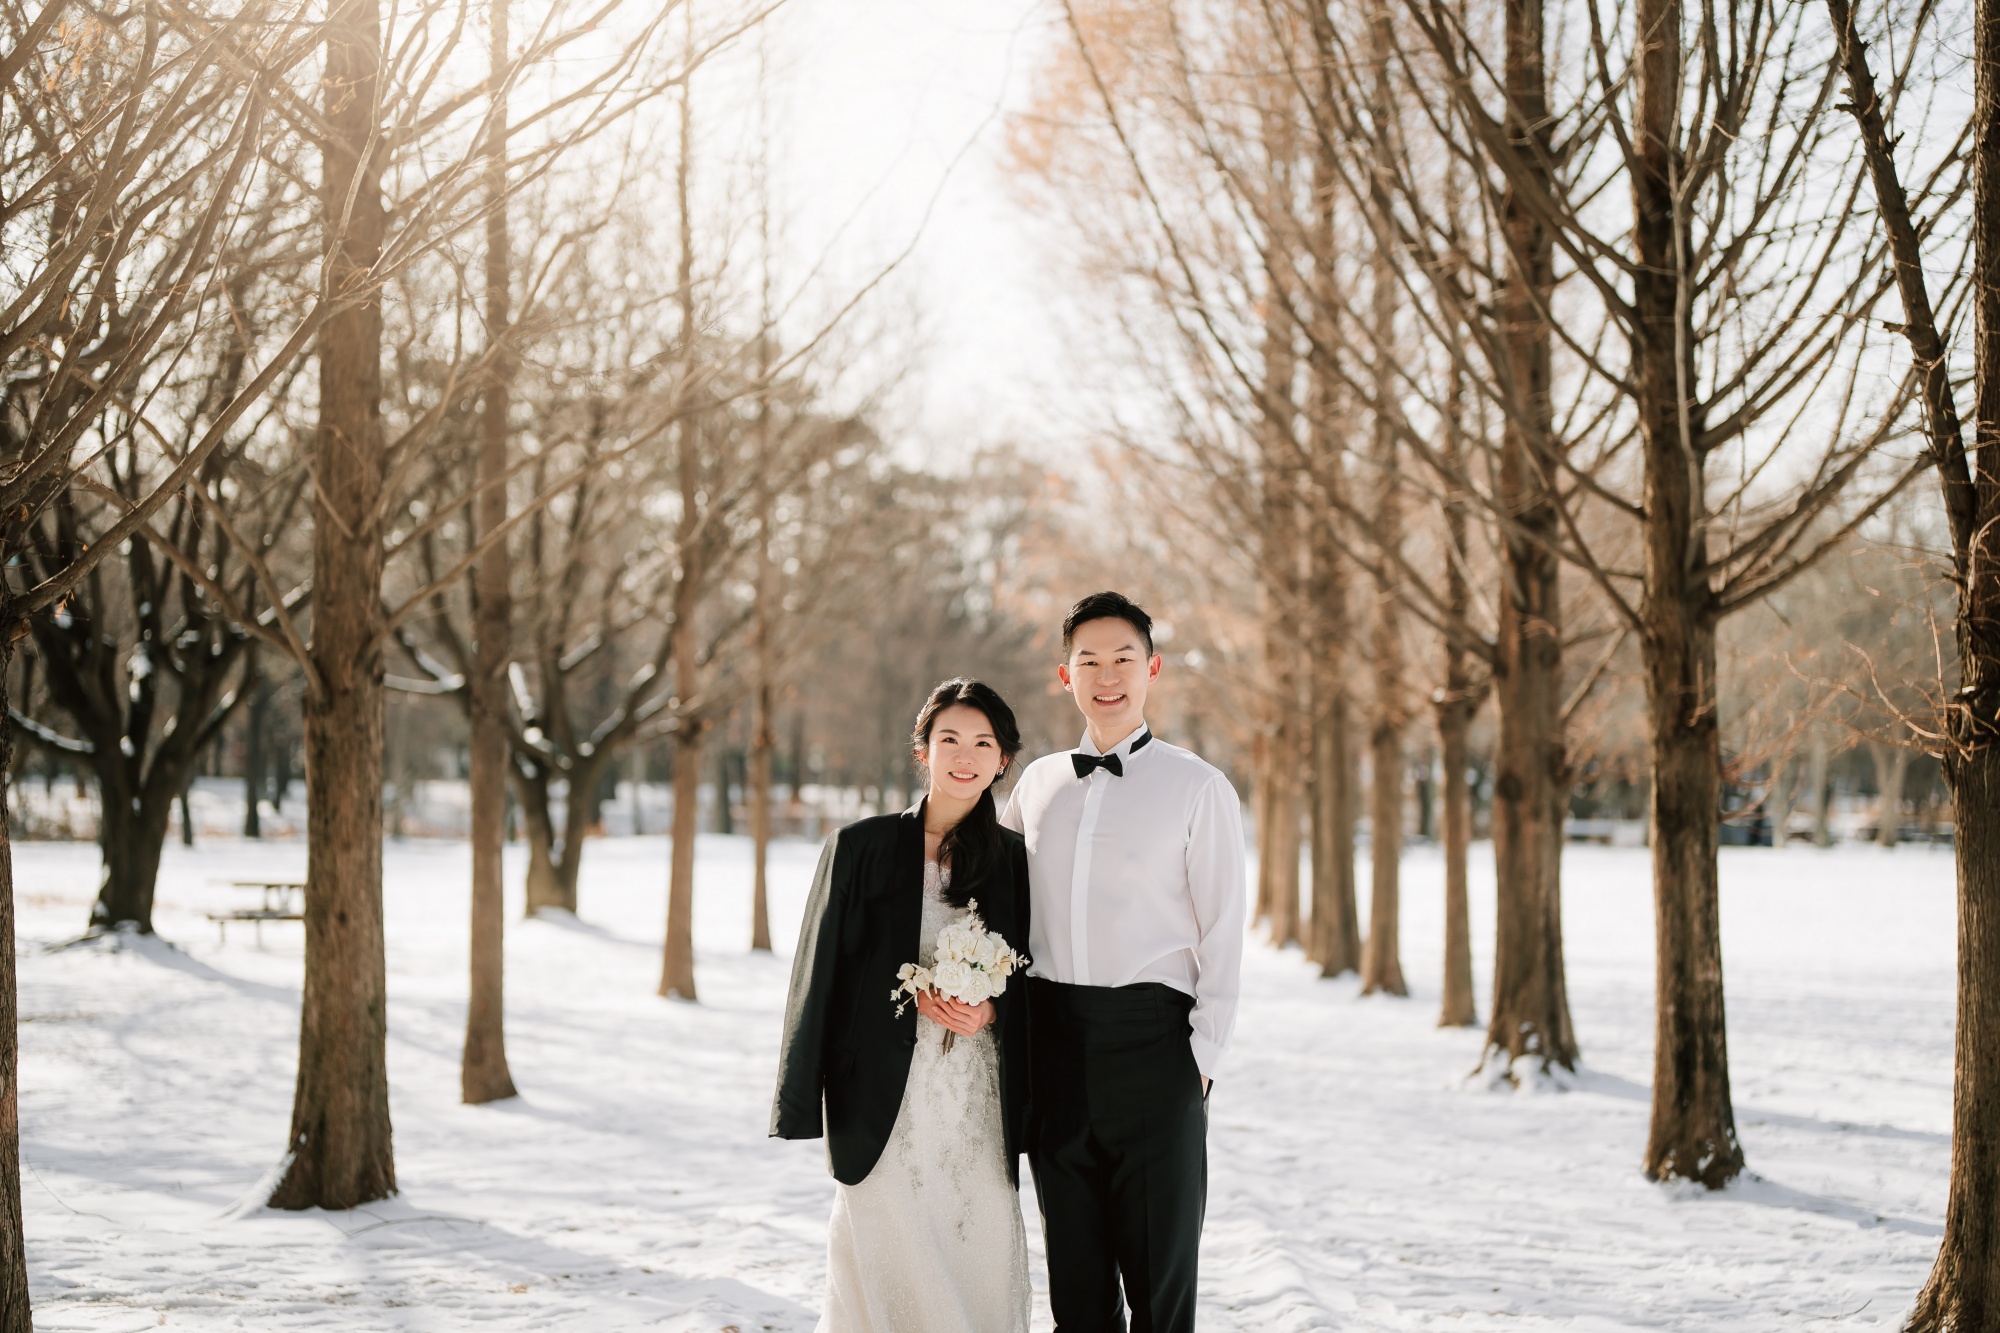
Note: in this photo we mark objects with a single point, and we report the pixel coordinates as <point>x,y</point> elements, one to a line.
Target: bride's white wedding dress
<point>932,1240</point>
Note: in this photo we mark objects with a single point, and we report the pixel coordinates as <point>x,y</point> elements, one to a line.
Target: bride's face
<point>963,755</point>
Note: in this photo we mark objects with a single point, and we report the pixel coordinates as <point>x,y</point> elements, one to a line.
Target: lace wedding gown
<point>932,1241</point>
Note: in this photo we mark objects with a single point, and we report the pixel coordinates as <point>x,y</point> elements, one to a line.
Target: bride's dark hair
<point>972,847</point>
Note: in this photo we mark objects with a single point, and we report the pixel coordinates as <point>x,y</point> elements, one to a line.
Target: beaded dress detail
<point>932,1241</point>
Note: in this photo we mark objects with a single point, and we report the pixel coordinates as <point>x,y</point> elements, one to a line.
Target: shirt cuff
<point>1207,1055</point>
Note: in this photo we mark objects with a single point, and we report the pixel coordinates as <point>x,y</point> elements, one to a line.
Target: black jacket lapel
<point>906,920</point>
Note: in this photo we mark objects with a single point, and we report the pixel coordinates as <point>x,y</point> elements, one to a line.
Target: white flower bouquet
<point>972,966</point>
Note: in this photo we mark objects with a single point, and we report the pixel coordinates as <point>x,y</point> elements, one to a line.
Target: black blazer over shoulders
<point>846,1055</point>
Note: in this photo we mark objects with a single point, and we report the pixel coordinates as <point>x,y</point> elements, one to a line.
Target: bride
<point>924,1137</point>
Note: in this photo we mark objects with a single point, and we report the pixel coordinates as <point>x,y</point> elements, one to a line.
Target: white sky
<point>889,108</point>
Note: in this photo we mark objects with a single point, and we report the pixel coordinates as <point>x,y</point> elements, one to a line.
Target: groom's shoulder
<point>1186,763</point>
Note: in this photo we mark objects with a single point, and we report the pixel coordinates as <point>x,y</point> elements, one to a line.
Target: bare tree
<point>1963,1291</point>
<point>125,138</point>
<point>483,1074</point>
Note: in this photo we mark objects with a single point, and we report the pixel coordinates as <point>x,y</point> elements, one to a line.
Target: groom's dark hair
<point>1107,606</point>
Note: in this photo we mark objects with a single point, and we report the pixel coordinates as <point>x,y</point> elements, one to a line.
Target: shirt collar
<point>1124,749</point>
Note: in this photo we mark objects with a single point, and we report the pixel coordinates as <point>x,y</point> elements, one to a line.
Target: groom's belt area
<point>1141,1003</point>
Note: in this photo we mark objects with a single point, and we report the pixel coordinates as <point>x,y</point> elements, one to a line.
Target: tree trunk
<point>1335,946</point>
<point>1279,499</point>
<point>677,954</point>
<point>1693,1134</point>
<point>1530,1019</point>
<point>253,752</point>
<point>580,803</point>
<point>544,881</point>
<point>340,1152</point>
<point>1787,776</point>
<point>725,817</point>
<point>1336,942</point>
<point>677,965</point>
<point>1962,1294</point>
<point>1892,767</point>
<point>1822,790</point>
<point>132,831</point>
<point>483,1073</point>
<point>15,1314</point>
<point>1454,721</point>
<point>761,745</point>
<point>1381,962</point>
<point>1287,836</point>
<point>1455,709</point>
<point>1261,771</point>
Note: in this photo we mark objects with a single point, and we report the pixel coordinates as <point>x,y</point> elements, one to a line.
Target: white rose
<point>985,951</point>
<point>951,977</point>
<point>977,989</point>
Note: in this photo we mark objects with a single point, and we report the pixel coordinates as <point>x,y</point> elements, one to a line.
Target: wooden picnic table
<point>281,900</point>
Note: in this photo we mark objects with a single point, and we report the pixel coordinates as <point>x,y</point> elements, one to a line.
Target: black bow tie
<point>1086,764</point>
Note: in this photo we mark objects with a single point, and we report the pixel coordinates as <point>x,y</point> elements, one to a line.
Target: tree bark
<point>1260,818</point>
<point>254,765</point>
<point>581,813</point>
<point>1336,945</point>
<point>340,1148</point>
<point>132,832</point>
<point>677,965</point>
<point>761,744</point>
<point>1818,761</point>
<point>1279,837</point>
<point>763,737</point>
<point>677,954</point>
<point>725,816</point>
<point>1381,961</point>
<point>1530,1019</point>
<point>1335,941</point>
<point>15,1313</point>
<point>544,886</point>
<point>483,1073</point>
<point>1454,722</point>
<point>1287,835</point>
<point>1892,768</point>
<point>1962,1294</point>
<point>1693,1133</point>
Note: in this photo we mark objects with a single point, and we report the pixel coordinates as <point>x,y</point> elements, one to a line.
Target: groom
<point>1135,868</point>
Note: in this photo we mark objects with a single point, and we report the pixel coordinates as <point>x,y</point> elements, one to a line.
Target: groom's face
<point>1108,673</point>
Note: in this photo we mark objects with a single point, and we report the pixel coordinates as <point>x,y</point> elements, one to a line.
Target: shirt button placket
<point>1079,883</point>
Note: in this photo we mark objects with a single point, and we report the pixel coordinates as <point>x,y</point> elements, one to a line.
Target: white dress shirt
<point>1138,878</point>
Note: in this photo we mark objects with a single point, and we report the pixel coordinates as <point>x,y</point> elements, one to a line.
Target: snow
<point>1358,1182</point>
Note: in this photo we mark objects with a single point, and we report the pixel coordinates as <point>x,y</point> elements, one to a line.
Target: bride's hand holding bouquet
<point>956,991</point>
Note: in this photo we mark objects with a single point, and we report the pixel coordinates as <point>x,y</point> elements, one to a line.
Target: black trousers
<point>1119,1149</point>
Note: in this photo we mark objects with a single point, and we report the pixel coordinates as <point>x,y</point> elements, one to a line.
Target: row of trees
<point>404,345</point>
<point>1498,364</point>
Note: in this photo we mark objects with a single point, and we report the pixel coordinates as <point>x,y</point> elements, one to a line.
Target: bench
<point>282,900</point>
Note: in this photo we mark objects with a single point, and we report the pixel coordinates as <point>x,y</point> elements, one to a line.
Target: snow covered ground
<point>1357,1183</point>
